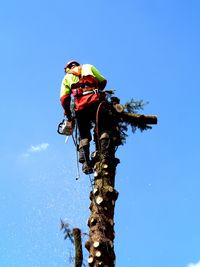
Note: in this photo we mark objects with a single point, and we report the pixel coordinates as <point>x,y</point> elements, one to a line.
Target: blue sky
<point>147,50</point>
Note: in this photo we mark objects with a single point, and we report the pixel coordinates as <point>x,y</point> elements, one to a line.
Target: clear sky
<point>147,50</point>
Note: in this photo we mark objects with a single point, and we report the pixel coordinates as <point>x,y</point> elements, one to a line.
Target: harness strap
<point>86,85</point>
<point>94,91</point>
<point>78,92</point>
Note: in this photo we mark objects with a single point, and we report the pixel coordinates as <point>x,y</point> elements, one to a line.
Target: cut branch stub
<point>111,222</point>
<point>96,174</point>
<point>90,259</point>
<point>139,118</point>
<point>96,244</point>
<point>110,189</point>
<point>105,166</point>
<point>92,221</point>
<point>98,254</point>
<point>99,200</point>
<point>95,191</point>
<point>119,108</point>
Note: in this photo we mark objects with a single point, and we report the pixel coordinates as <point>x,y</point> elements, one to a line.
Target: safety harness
<point>86,84</point>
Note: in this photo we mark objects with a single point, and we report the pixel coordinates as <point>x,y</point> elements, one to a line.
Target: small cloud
<point>35,149</point>
<point>39,148</point>
<point>194,264</point>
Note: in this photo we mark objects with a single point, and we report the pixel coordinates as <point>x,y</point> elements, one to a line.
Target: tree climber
<point>86,84</point>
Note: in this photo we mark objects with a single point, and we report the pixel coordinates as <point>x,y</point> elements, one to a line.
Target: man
<point>86,84</point>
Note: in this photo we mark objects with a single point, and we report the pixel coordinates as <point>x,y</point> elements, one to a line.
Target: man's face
<point>70,67</point>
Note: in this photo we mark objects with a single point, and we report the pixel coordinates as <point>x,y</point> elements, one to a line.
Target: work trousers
<point>93,115</point>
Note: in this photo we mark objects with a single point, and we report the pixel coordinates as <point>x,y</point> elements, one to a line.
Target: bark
<point>139,118</point>
<point>78,247</point>
<point>101,221</point>
<point>103,197</point>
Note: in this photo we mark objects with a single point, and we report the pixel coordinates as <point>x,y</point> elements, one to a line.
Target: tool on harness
<point>66,127</point>
<point>82,91</point>
<point>93,91</point>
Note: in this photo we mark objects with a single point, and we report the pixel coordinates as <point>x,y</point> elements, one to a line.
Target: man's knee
<point>105,135</point>
<point>84,142</point>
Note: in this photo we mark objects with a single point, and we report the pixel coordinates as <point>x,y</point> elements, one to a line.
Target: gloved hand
<point>67,127</point>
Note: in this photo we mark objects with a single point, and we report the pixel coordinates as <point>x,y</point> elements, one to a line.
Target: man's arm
<point>100,78</point>
<point>65,98</point>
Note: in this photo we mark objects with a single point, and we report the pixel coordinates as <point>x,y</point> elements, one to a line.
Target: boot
<point>87,167</point>
<point>84,150</point>
<point>84,154</point>
<point>107,150</point>
<point>84,158</point>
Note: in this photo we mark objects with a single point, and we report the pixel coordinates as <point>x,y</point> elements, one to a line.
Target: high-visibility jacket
<point>85,83</point>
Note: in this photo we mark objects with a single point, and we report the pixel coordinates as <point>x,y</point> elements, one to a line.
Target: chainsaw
<point>66,127</point>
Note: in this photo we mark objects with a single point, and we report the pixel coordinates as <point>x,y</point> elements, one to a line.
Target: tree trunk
<point>78,247</point>
<point>101,221</point>
<point>139,118</point>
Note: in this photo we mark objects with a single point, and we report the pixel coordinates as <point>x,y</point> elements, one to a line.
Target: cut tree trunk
<point>78,247</point>
<point>101,221</point>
